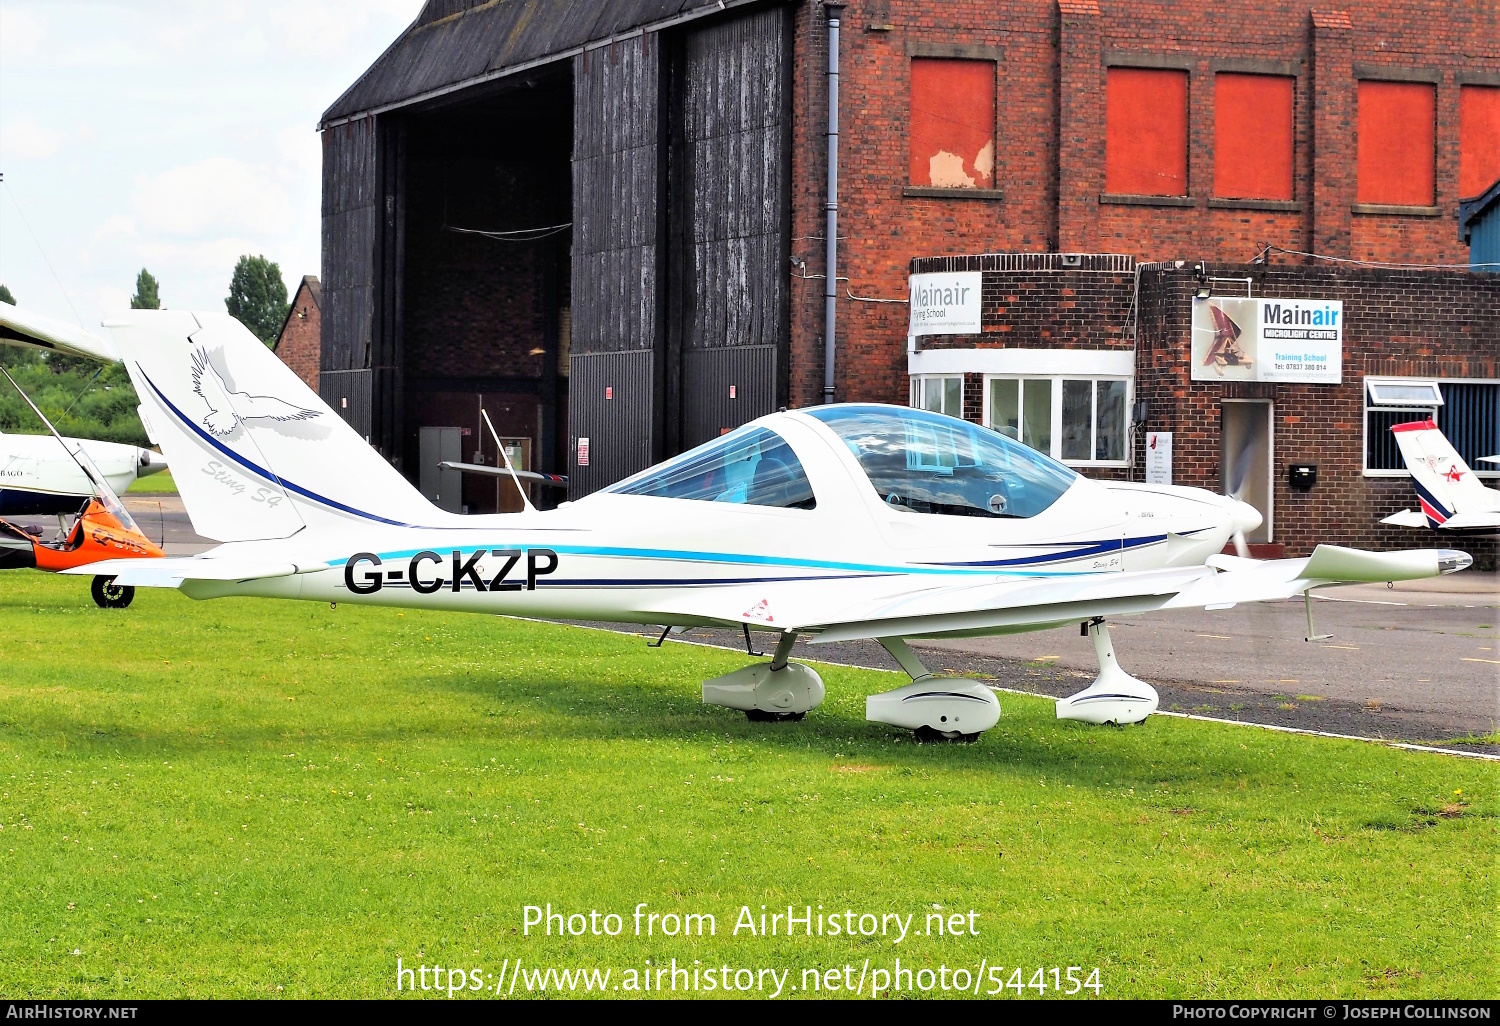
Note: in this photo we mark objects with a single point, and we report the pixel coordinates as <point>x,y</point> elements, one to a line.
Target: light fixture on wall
<point>1200,274</point>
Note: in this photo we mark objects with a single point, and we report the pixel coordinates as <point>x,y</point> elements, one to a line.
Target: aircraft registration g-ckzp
<point>829,523</point>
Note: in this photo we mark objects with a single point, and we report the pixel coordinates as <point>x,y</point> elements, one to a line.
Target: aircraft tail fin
<point>1445,485</point>
<point>256,454</point>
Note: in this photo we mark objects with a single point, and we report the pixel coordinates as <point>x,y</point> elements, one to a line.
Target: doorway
<point>1246,458</point>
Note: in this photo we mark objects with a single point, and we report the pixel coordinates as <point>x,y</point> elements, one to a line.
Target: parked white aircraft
<point>828,523</point>
<point>1452,498</point>
<point>39,477</point>
<point>36,476</point>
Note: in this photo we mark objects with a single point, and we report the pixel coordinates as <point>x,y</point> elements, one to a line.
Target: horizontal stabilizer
<point>1407,518</point>
<point>172,571</point>
<point>555,480</point>
<point>23,328</point>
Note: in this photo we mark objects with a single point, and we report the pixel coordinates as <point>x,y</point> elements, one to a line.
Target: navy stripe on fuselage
<point>254,468</point>
<point>1089,549</point>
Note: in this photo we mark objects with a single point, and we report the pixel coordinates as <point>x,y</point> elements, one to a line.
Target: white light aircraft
<point>828,523</point>
<point>1453,499</point>
<point>39,477</point>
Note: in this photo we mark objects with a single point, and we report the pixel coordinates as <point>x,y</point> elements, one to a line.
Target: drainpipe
<point>834,9</point>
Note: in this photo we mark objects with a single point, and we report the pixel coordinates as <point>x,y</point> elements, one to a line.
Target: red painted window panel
<point>952,132</point>
<point>1396,126</point>
<point>1145,132</point>
<point>1253,136</point>
<point>1478,139</point>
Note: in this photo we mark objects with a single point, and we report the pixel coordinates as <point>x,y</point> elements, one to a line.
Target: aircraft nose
<point>1451,561</point>
<point>1244,516</point>
<point>150,462</point>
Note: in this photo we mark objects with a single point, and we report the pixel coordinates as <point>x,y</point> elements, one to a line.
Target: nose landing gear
<point>1115,696</point>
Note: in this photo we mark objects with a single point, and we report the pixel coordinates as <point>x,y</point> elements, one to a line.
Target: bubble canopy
<point>750,466</point>
<point>924,462</point>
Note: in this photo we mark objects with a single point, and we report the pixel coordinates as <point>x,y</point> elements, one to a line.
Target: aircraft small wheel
<point>109,595</point>
<point>762,716</point>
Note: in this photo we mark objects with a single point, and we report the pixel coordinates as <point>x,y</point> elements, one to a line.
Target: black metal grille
<point>726,388</point>
<point>1470,417</point>
<point>610,405</point>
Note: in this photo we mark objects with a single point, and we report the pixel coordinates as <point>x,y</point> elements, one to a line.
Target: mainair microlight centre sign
<point>1298,340</point>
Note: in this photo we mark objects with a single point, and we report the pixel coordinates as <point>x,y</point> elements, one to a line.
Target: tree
<point>146,295</point>
<point>257,297</point>
<point>12,356</point>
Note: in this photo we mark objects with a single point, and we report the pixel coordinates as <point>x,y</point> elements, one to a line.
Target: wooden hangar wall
<point>659,320</point>
<point>681,211</point>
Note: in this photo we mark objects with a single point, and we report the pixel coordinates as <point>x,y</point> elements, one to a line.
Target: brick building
<point>300,341</point>
<point>1129,332</point>
<point>606,219</point>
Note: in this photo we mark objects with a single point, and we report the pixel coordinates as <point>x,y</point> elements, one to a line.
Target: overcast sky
<point>168,134</point>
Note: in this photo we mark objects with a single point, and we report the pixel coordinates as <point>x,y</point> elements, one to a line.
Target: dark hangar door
<point>729,322</point>
<point>614,363</point>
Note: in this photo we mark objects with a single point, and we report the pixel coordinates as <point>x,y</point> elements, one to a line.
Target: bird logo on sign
<point>228,410</point>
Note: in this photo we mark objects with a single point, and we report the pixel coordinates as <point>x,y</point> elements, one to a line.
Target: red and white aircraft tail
<point>1451,496</point>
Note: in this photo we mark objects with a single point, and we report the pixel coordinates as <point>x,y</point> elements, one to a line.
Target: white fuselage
<point>38,463</point>
<point>626,558</point>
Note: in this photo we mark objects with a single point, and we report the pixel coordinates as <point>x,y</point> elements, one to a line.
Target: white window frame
<point>1433,409</point>
<point>1057,411</point>
<point>919,383</point>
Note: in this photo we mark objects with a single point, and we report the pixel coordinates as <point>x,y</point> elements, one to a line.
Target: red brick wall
<point>300,344</point>
<point>1440,324</point>
<point>1052,58</point>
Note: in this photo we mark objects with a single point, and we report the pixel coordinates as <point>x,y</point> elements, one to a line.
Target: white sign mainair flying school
<point>1268,340</point>
<point>945,304</point>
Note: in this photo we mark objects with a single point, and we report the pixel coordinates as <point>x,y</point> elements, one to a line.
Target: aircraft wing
<point>23,328</point>
<point>172,571</point>
<point>845,610</point>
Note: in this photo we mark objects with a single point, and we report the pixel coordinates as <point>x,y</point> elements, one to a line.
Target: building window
<point>952,129</point>
<point>1478,139</point>
<point>1076,420</point>
<point>1468,412</point>
<point>939,394</point>
<point>1145,132</point>
<point>1395,152</point>
<point>1022,409</point>
<point>1253,134</point>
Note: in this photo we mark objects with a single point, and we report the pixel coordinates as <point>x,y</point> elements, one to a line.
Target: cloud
<point>22,32</point>
<point>301,152</point>
<point>329,27</point>
<point>26,140</point>
<point>119,224</point>
<point>217,195</point>
<point>112,299</point>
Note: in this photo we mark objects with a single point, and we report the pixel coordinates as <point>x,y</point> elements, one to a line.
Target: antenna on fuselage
<point>506,457</point>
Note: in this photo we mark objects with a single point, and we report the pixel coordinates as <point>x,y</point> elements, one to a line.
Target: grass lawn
<point>159,483</point>
<point>266,798</point>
